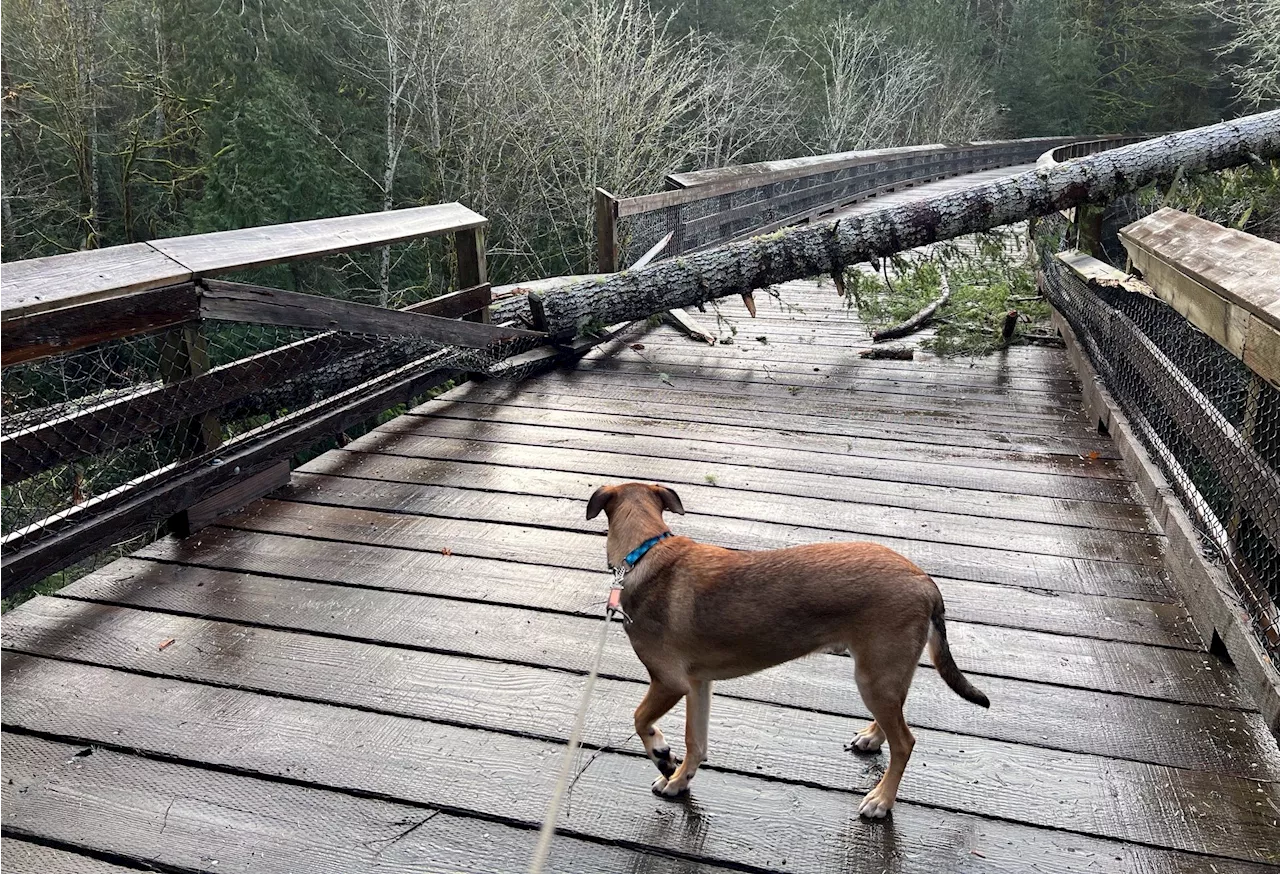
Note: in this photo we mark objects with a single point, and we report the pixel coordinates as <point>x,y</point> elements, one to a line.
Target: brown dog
<point>697,613</point>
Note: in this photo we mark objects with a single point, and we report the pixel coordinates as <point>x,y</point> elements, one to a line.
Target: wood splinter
<point>690,326</point>
<point>749,299</point>
<point>838,277</point>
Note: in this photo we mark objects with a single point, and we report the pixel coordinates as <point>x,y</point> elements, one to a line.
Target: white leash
<point>543,849</point>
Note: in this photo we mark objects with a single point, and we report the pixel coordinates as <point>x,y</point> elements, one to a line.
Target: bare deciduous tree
<point>1257,36</point>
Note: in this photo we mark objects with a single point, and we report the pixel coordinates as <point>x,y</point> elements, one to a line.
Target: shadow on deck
<point>376,668</point>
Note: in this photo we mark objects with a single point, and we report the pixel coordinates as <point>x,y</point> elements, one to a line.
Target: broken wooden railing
<point>1190,351</point>
<point>711,207</point>
<point>140,393</point>
<point>824,247</point>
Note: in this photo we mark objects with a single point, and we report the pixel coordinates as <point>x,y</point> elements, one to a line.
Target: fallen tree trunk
<point>916,322</point>
<point>812,250</point>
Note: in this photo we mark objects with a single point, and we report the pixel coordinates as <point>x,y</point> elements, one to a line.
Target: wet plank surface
<point>375,669</point>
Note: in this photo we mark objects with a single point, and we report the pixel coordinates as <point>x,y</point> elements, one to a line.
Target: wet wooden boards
<point>376,668</point>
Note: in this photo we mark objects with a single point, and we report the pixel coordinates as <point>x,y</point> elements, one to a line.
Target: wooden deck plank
<point>557,640</point>
<point>186,818</point>
<point>824,495</point>
<point>783,401</point>
<point>1050,402</point>
<point>749,356</point>
<point>1076,435</point>
<point>279,737</point>
<point>795,360</point>
<point>852,429</point>
<point>838,523</point>
<point>578,591</point>
<point>359,671</point>
<point>23,857</point>
<point>341,520</point>
<point>542,425</point>
<point>571,450</point>
<point>905,399</point>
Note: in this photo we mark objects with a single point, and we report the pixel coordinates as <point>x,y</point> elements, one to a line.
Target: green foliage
<point>1244,198</point>
<point>986,283</point>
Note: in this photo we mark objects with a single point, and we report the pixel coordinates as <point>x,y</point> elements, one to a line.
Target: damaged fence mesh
<point>83,426</point>
<point>1208,421</point>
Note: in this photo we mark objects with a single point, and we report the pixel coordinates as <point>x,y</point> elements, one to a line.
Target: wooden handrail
<point>40,284</point>
<point>1221,280</point>
<point>759,197</point>
<point>790,168</point>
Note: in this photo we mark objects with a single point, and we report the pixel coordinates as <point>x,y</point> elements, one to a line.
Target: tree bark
<point>812,250</point>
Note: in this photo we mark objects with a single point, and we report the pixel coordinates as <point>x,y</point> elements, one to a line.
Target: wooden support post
<point>606,232</point>
<point>1089,230</point>
<point>184,352</point>
<point>229,500</point>
<point>473,268</point>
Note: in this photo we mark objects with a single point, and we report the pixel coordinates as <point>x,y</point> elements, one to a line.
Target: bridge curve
<point>376,665</point>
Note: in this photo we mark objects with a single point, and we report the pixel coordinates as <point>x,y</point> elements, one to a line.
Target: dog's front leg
<point>657,701</point>
<point>696,722</point>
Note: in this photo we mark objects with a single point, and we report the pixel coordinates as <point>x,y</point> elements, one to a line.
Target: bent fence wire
<point>83,427</point>
<point>1209,422</point>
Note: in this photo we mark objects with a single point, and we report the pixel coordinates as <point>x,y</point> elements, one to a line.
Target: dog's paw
<point>664,787</point>
<point>666,762</point>
<point>869,740</point>
<point>875,805</point>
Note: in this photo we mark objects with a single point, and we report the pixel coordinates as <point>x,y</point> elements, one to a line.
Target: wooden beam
<point>606,231</point>
<point>41,334</point>
<point>455,304</point>
<point>183,354</point>
<point>1222,281</point>
<point>124,419</point>
<point>240,494</point>
<point>205,254</point>
<point>41,284</point>
<point>240,302</point>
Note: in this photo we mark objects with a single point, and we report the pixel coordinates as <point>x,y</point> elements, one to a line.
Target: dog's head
<point>634,495</point>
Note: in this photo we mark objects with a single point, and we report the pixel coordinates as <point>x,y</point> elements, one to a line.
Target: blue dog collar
<point>639,552</point>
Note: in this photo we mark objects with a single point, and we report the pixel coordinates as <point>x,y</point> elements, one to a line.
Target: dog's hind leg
<point>657,701</point>
<point>883,680</point>
<point>696,725</point>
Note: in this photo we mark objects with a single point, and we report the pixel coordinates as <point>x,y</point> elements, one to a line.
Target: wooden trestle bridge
<point>371,663</point>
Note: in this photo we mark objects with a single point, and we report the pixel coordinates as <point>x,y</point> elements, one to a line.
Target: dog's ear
<point>599,498</point>
<point>670,500</point>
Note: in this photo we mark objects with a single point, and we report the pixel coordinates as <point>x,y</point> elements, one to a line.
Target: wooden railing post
<point>184,352</point>
<point>606,232</point>
<point>473,267</point>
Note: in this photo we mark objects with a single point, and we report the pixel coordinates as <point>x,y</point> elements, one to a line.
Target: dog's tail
<point>941,655</point>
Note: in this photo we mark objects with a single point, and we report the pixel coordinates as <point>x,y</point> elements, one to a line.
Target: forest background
<point>128,120</point>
